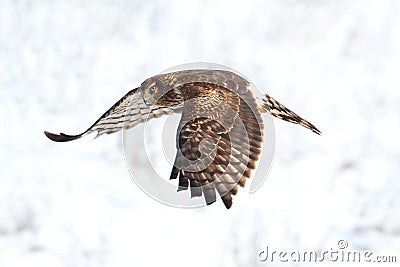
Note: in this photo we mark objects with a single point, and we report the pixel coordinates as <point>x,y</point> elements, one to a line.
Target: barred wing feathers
<point>126,113</point>
<point>217,149</point>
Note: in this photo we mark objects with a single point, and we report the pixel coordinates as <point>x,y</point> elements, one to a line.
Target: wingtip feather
<point>61,137</point>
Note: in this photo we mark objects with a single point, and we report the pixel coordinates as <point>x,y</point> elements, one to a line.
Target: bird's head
<point>152,90</point>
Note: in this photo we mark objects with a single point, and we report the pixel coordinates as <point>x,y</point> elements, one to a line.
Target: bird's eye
<point>153,89</point>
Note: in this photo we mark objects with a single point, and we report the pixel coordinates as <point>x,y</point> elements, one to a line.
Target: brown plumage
<point>220,135</point>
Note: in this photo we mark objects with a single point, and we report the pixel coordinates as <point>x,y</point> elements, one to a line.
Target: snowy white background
<point>63,63</point>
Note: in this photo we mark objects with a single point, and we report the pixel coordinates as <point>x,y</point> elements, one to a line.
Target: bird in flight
<point>220,134</point>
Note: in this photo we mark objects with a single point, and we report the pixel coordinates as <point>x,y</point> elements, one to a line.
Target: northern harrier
<point>220,134</point>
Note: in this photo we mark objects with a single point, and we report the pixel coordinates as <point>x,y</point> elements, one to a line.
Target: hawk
<point>220,134</point>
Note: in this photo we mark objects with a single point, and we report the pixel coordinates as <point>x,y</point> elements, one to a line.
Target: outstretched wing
<point>129,111</point>
<point>219,141</point>
<point>276,109</point>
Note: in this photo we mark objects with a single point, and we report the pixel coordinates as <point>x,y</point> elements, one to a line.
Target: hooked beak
<point>145,98</point>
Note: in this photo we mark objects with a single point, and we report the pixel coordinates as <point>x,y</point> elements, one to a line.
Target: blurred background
<point>63,63</point>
